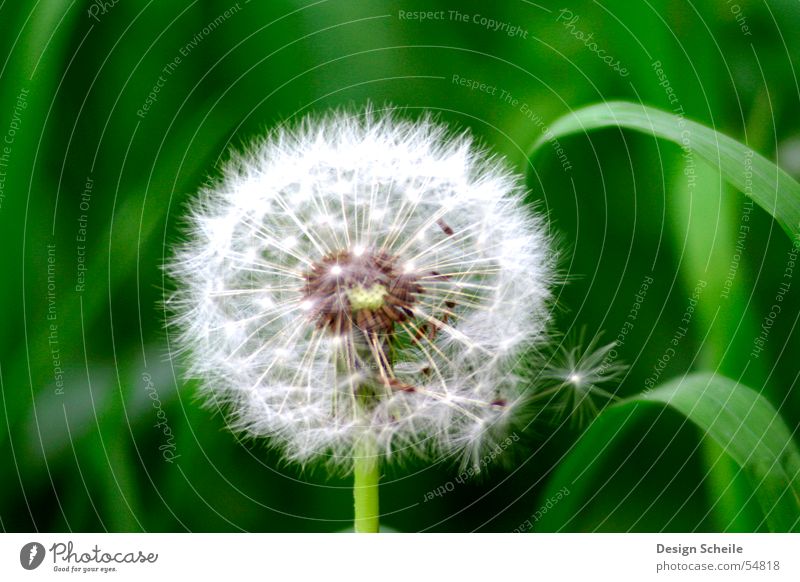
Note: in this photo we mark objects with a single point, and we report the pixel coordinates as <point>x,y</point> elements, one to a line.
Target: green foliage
<point>102,431</point>
<point>768,185</point>
<point>744,425</point>
<point>737,418</point>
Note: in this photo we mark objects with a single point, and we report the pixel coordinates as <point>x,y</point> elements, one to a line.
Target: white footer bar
<point>402,557</point>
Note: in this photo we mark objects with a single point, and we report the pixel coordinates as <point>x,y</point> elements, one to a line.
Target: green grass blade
<point>738,419</point>
<point>751,431</point>
<point>754,175</point>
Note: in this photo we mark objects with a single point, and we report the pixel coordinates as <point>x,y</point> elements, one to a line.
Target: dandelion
<point>359,288</point>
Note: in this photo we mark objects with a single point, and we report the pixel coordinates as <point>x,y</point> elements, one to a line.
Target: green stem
<point>366,470</point>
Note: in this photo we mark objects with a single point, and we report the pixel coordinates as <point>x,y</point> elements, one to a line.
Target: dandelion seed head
<point>363,274</point>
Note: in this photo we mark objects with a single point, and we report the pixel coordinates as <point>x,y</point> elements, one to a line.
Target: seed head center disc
<point>365,289</point>
<point>366,297</point>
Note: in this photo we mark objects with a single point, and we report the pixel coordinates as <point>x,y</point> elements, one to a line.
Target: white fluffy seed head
<point>360,275</point>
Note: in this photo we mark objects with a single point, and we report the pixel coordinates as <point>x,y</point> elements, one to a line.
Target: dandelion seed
<point>570,384</point>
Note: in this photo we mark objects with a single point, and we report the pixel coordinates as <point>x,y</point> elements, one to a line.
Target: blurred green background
<point>96,172</point>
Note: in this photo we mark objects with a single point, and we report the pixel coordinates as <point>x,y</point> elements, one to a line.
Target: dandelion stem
<point>366,470</point>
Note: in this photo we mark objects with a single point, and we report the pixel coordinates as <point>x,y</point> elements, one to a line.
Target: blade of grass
<point>738,419</point>
<point>769,186</point>
<point>751,431</point>
<point>29,76</point>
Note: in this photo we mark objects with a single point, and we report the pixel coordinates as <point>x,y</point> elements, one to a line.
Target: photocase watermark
<point>8,139</point>
<point>686,135</point>
<point>551,502</point>
<point>627,325</point>
<point>169,69</point>
<point>477,19</point>
<point>100,8</point>
<point>777,305</point>
<point>68,559</point>
<point>31,555</point>
<point>570,20</point>
<point>168,447</point>
<point>677,337</point>
<point>744,230</point>
<point>474,85</point>
<point>547,133</point>
<point>52,321</point>
<point>80,236</point>
<point>526,110</point>
<point>490,457</point>
<point>664,83</point>
<point>741,19</point>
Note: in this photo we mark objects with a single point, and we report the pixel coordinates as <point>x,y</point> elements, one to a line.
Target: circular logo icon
<point>31,555</point>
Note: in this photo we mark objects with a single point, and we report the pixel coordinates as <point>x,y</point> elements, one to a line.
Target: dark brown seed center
<point>365,289</point>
